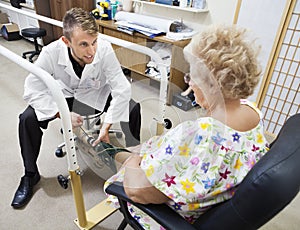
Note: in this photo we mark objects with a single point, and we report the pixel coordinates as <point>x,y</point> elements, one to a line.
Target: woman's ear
<point>65,40</point>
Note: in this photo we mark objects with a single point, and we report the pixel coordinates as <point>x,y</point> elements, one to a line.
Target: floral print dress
<point>197,164</point>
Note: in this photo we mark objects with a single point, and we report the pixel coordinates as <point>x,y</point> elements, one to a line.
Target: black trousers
<point>30,129</point>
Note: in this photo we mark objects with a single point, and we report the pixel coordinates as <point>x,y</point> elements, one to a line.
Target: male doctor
<point>88,72</point>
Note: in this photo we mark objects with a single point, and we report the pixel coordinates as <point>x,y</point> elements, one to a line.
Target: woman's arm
<point>137,186</point>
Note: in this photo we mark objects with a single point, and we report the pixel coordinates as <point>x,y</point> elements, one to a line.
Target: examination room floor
<point>53,207</point>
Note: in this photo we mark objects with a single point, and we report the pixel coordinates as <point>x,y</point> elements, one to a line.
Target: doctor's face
<point>83,46</point>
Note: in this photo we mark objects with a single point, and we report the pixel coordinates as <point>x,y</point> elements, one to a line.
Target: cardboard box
<point>10,32</point>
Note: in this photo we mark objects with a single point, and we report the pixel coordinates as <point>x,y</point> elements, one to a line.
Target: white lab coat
<point>103,76</point>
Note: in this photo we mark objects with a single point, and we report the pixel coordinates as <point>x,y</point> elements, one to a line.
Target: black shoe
<point>25,190</point>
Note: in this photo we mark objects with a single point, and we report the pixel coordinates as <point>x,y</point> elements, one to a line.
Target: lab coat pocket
<point>93,83</point>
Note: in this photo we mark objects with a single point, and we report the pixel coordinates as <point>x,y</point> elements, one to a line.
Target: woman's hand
<point>104,134</point>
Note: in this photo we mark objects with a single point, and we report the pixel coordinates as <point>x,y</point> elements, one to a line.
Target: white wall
<point>264,19</point>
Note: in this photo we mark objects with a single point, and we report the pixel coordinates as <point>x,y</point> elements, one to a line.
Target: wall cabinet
<point>42,7</point>
<point>58,9</point>
<point>136,62</point>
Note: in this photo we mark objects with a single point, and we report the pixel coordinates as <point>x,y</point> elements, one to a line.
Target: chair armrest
<point>161,213</point>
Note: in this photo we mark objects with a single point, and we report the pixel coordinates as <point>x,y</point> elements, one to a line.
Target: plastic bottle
<point>114,6</point>
<point>127,5</point>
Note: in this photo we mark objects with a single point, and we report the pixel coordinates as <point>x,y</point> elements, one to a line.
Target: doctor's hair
<point>78,17</point>
<point>231,58</point>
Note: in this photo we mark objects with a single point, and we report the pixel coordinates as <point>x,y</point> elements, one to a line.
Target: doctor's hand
<point>76,119</point>
<point>103,135</point>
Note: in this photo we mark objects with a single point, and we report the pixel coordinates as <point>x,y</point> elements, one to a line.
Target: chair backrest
<point>270,185</point>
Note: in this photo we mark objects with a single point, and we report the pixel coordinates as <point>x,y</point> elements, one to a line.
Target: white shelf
<point>189,9</point>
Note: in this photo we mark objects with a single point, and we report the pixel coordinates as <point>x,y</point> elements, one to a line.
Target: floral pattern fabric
<point>198,164</point>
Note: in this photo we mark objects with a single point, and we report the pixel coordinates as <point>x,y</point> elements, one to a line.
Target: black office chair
<point>33,33</point>
<point>269,187</point>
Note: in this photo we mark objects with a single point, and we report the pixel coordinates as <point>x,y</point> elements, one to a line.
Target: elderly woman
<point>201,163</point>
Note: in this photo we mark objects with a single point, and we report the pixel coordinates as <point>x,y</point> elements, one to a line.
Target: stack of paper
<point>129,28</point>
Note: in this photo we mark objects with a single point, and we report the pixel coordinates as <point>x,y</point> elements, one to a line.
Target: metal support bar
<point>96,214</point>
<point>79,202</point>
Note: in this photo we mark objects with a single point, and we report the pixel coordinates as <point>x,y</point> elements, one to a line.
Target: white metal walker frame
<point>85,219</point>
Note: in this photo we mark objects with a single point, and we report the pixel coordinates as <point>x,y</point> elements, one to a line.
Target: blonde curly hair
<point>230,58</point>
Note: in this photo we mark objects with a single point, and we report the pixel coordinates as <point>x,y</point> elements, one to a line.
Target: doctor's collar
<point>78,69</point>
